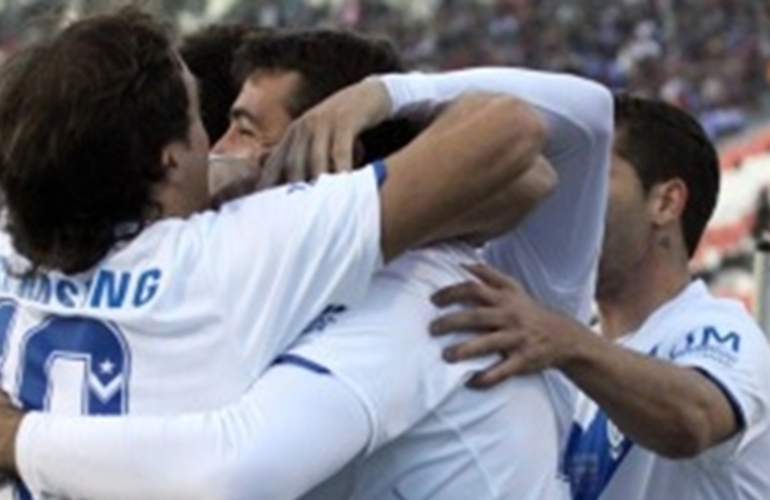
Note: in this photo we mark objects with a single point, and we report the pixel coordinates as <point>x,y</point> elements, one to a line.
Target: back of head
<point>210,54</point>
<point>663,142</point>
<point>328,61</point>
<point>84,118</point>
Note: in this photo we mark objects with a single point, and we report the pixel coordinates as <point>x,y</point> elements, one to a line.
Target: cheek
<point>627,227</point>
<point>202,142</point>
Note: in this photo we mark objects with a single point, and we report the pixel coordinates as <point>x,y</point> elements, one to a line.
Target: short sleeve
<point>731,351</point>
<point>279,258</point>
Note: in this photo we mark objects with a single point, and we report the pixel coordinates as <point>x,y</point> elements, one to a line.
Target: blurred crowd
<point>709,56</point>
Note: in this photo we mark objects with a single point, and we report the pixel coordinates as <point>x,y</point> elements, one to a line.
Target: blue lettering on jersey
<point>107,289</point>
<point>593,455</point>
<point>326,318</point>
<point>710,343</point>
<point>147,287</point>
<point>36,288</point>
<point>66,291</point>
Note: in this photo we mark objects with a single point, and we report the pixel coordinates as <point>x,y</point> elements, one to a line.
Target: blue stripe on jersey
<point>293,359</point>
<point>740,418</point>
<point>380,171</point>
<point>592,456</point>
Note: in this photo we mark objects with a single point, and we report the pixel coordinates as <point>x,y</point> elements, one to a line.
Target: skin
<point>186,191</point>
<point>674,411</point>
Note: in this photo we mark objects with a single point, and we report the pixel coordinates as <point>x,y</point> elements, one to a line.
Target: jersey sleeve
<point>383,352</point>
<point>279,258</point>
<point>555,250</point>
<point>273,443</point>
<point>730,350</point>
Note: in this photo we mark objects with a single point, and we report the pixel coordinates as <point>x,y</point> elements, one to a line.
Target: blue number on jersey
<point>98,345</point>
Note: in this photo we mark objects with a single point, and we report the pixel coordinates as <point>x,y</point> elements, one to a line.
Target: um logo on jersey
<point>593,455</point>
<point>710,343</point>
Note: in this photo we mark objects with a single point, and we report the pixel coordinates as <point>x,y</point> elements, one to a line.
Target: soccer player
<point>209,54</point>
<point>676,391</point>
<point>115,280</point>
<point>379,349</point>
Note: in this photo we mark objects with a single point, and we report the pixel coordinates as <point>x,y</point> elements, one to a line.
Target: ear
<point>667,202</point>
<point>169,157</point>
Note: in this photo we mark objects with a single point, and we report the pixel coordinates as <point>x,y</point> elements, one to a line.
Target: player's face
<point>259,116</point>
<point>628,230</point>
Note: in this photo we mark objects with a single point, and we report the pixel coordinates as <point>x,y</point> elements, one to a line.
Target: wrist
<point>411,95</point>
<point>578,347</point>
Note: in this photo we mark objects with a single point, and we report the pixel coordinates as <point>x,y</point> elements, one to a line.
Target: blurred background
<point>711,57</point>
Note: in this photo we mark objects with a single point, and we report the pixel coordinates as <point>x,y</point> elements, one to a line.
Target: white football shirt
<point>186,315</point>
<point>429,435</point>
<point>718,338</point>
<point>480,444</point>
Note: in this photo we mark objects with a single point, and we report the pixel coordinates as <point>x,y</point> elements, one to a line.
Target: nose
<point>221,147</point>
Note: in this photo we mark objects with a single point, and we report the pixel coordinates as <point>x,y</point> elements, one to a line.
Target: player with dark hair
<point>210,54</point>
<point>121,292</point>
<point>676,397</point>
<point>377,350</point>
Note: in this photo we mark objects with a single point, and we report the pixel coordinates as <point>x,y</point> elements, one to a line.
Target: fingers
<point>498,373</point>
<point>479,320</point>
<point>274,164</point>
<point>491,276</point>
<point>297,160</point>
<point>320,160</point>
<point>469,293</point>
<point>342,149</point>
<point>492,343</point>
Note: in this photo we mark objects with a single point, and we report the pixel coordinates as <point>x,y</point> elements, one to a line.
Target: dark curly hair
<point>84,118</point>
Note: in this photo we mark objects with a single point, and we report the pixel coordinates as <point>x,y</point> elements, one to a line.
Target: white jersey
<point>185,316</point>
<point>479,444</point>
<point>427,442</point>
<point>429,436</point>
<point>718,338</point>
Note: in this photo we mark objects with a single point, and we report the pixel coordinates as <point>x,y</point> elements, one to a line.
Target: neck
<point>643,290</point>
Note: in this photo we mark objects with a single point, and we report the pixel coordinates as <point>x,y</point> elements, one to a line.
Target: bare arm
<point>499,213</point>
<point>476,147</point>
<point>437,182</point>
<point>674,411</point>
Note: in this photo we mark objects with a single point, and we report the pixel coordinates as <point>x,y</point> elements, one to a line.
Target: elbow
<point>688,439</point>
<point>523,132</point>
<point>544,180</point>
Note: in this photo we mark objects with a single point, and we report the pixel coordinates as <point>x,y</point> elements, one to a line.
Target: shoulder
<point>432,267</point>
